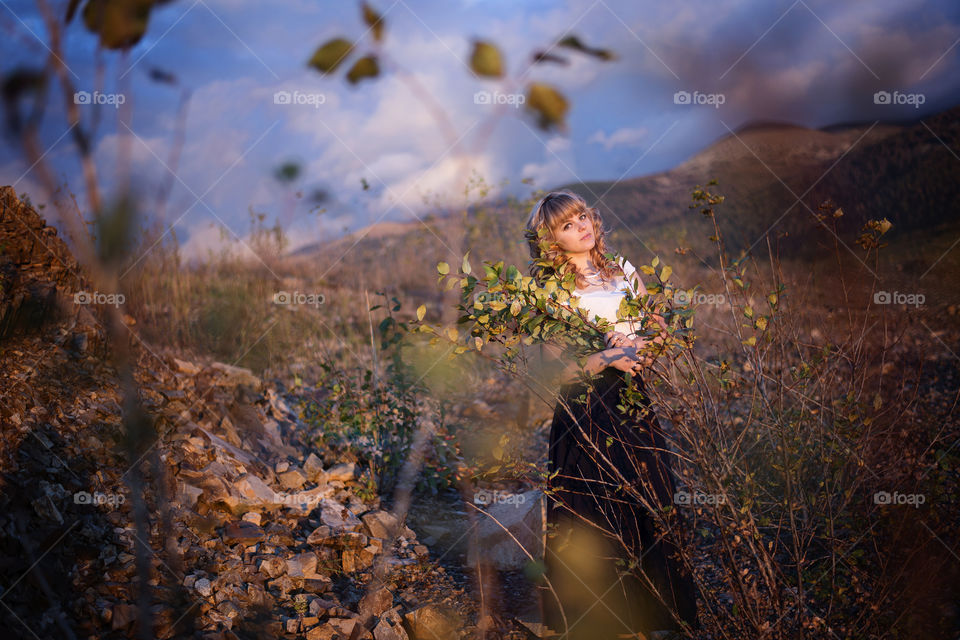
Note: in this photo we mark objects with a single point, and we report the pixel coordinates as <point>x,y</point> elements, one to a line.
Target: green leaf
<point>365,67</point>
<point>330,55</point>
<point>486,60</point>
<point>120,25</point>
<point>374,20</point>
<point>573,42</point>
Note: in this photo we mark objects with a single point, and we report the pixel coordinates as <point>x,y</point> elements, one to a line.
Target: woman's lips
<point>584,237</point>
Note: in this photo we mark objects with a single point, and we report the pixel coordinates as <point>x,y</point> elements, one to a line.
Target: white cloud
<point>625,137</point>
<point>210,237</point>
<point>553,169</point>
<point>386,130</point>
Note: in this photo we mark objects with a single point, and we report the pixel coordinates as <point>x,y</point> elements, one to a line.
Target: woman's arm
<point>624,358</point>
<point>636,284</point>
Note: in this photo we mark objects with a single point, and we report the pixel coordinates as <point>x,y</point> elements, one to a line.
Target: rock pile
<point>240,530</point>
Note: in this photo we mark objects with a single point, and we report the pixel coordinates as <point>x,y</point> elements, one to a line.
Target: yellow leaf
<point>549,104</point>
<point>665,273</point>
<point>761,323</point>
<point>466,264</point>
<point>443,268</point>
<point>421,311</point>
<point>752,340</point>
<point>486,60</point>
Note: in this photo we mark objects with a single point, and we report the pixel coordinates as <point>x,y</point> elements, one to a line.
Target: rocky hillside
<point>903,172</point>
<point>240,529</point>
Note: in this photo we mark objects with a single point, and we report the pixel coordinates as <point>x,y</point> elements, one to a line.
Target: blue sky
<point>811,62</point>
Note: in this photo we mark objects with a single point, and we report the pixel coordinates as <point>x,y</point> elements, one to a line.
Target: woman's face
<point>575,235</point>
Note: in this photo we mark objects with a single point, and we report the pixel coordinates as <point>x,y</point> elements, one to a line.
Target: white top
<point>605,303</point>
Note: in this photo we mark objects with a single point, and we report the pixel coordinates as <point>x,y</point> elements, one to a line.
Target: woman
<point>595,526</point>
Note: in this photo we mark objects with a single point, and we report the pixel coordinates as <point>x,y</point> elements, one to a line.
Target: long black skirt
<point>594,518</point>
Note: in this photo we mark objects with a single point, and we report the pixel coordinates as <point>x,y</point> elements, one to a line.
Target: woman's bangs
<point>556,218</point>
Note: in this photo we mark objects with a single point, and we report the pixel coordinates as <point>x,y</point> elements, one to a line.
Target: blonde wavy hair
<point>549,213</point>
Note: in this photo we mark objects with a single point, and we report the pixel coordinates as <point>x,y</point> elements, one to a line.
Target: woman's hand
<point>616,339</point>
<point>638,342</point>
<point>627,359</point>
